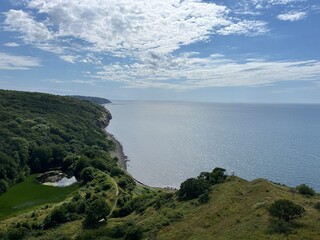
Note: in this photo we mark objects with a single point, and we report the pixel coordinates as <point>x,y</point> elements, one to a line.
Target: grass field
<point>30,193</point>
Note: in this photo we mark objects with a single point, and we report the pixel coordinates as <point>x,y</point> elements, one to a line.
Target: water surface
<point>168,142</point>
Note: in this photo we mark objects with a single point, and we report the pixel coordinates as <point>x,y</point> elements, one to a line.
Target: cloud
<point>32,30</point>
<point>11,44</point>
<point>123,28</point>
<point>188,71</point>
<point>68,58</point>
<point>292,16</point>
<point>13,62</point>
<point>252,28</point>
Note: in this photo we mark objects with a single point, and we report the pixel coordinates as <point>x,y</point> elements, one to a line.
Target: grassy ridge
<point>30,193</point>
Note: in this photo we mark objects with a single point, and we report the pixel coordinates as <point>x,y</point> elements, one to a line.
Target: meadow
<point>30,193</point>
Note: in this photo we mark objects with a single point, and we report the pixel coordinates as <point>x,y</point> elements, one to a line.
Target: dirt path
<point>116,200</point>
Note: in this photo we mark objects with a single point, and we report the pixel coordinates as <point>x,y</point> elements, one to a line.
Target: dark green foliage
<point>286,210</point>
<point>126,182</point>
<point>317,206</point>
<point>16,233</point>
<point>129,231</point>
<point>305,190</point>
<point>56,217</point>
<point>162,199</point>
<point>215,177</point>
<point>204,198</point>
<point>41,131</point>
<point>3,186</point>
<point>98,209</point>
<point>87,174</point>
<point>192,188</point>
<point>279,226</point>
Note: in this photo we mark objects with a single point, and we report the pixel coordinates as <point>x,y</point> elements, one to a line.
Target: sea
<point>168,142</point>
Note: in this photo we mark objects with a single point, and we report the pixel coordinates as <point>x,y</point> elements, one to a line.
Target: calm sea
<point>168,142</point>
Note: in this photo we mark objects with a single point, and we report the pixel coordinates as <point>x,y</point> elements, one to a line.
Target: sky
<point>184,50</point>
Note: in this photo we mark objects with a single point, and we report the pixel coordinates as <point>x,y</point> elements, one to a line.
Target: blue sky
<point>220,51</point>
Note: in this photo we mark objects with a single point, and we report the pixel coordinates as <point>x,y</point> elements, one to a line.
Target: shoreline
<point>118,152</point>
<point>122,159</point>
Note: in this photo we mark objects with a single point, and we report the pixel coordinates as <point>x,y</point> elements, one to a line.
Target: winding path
<point>116,200</point>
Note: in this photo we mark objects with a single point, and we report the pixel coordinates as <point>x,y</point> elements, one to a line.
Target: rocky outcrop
<point>103,122</point>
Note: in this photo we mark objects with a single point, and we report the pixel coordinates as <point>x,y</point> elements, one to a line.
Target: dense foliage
<point>286,210</point>
<point>195,187</point>
<point>305,190</point>
<point>39,132</point>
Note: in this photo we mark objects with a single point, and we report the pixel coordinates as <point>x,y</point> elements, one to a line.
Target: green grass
<point>30,193</point>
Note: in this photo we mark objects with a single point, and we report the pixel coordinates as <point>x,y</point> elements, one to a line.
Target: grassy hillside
<point>107,203</point>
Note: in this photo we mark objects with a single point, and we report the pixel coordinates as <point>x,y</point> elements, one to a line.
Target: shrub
<point>305,190</point>
<point>96,211</point>
<point>317,206</point>
<point>3,186</point>
<point>129,230</point>
<point>192,188</point>
<point>279,226</point>
<point>204,198</point>
<point>217,176</point>
<point>286,210</point>
<point>87,174</point>
<point>56,217</point>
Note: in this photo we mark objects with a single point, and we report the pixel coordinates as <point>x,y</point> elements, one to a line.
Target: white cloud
<point>11,44</point>
<point>292,16</point>
<point>123,28</point>
<point>13,62</point>
<point>191,72</point>
<point>245,27</point>
<point>33,31</point>
<point>68,58</point>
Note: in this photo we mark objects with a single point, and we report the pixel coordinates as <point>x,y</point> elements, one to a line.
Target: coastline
<point>118,152</point>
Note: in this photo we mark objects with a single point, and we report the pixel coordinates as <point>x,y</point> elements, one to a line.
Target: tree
<point>87,174</point>
<point>192,188</point>
<point>3,186</point>
<point>217,176</point>
<point>305,190</point>
<point>97,210</point>
<point>286,210</point>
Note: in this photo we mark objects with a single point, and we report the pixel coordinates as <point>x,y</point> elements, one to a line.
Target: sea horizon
<point>163,166</point>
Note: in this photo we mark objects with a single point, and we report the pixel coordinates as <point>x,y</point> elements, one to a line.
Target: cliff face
<point>103,122</point>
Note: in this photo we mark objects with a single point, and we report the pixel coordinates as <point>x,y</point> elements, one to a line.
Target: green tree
<point>3,186</point>
<point>192,188</point>
<point>98,209</point>
<point>305,190</point>
<point>87,174</point>
<point>286,210</point>
<point>217,176</point>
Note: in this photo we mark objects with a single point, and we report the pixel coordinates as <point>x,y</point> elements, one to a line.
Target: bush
<point>280,227</point>
<point>3,186</point>
<point>204,198</point>
<point>87,174</point>
<point>286,210</point>
<point>305,190</point>
<point>56,217</point>
<point>129,230</point>
<point>317,206</point>
<point>192,188</point>
<point>96,211</point>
